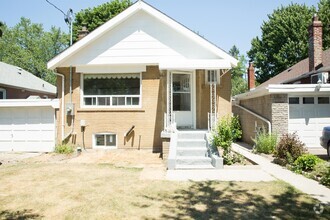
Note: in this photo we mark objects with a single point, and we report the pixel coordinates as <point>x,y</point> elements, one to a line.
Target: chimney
<point>82,33</point>
<point>251,77</point>
<point>315,44</point>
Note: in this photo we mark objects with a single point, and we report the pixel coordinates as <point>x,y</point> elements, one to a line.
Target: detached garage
<point>307,116</point>
<point>28,125</point>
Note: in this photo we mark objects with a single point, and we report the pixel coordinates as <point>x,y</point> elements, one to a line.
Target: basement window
<point>105,140</point>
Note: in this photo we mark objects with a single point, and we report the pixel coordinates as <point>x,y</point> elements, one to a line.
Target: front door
<point>182,96</point>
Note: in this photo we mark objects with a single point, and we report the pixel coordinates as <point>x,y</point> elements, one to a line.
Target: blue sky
<point>223,22</point>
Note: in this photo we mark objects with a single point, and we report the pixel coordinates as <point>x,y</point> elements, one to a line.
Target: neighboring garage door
<point>307,116</point>
<point>29,129</point>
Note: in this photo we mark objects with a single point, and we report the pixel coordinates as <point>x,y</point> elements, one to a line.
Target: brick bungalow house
<point>296,100</point>
<point>136,76</point>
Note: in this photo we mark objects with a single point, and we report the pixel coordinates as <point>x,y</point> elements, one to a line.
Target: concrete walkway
<point>308,186</point>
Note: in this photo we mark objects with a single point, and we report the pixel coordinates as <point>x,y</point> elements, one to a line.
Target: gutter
<point>62,105</point>
<point>258,116</point>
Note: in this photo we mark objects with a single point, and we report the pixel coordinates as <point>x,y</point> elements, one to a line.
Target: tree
<point>324,15</point>
<point>239,84</point>
<point>1,26</point>
<point>28,46</point>
<point>95,17</point>
<point>284,40</point>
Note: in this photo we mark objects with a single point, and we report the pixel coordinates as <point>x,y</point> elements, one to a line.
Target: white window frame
<point>82,96</point>
<point>4,93</point>
<point>104,147</point>
<point>217,72</point>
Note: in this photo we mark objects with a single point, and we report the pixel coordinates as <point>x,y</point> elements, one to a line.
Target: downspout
<point>258,116</point>
<point>62,105</point>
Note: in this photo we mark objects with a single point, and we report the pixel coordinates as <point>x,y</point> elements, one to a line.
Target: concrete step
<point>191,135</point>
<point>194,167</point>
<point>193,160</point>
<point>191,143</point>
<point>191,151</point>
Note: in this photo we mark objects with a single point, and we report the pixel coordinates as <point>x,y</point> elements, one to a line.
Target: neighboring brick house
<point>137,75</point>
<point>17,83</point>
<point>296,100</point>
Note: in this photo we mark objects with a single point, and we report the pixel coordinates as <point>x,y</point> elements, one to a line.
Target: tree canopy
<point>284,40</point>
<point>95,17</point>
<point>239,84</point>
<point>28,46</point>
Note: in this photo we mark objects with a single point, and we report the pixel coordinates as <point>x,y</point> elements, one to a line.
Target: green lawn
<point>103,191</point>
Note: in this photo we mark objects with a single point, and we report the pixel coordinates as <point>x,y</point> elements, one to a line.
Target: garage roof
<point>17,77</point>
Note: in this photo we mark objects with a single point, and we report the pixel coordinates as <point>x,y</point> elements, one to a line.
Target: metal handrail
<point>129,131</point>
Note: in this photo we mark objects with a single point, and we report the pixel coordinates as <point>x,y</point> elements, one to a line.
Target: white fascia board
<point>252,94</point>
<point>194,64</point>
<point>52,64</point>
<point>190,34</point>
<point>54,103</point>
<point>285,89</point>
<point>298,88</point>
<point>127,68</point>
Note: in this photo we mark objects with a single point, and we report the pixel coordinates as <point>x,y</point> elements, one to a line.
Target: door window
<point>181,92</point>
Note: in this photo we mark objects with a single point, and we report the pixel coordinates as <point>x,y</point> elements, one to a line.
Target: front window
<point>113,90</point>
<point>2,93</point>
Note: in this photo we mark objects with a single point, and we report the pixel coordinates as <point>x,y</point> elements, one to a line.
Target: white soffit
<point>195,64</point>
<point>112,69</point>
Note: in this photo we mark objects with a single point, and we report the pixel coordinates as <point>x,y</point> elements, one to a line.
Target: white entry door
<point>182,99</point>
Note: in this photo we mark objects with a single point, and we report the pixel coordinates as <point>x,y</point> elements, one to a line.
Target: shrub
<point>64,149</point>
<point>306,162</point>
<point>265,142</point>
<point>228,129</point>
<point>325,179</point>
<point>223,136</point>
<point>319,170</point>
<point>289,149</point>
<point>236,128</point>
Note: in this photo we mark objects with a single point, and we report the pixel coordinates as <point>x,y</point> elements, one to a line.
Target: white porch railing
<point>211,121</point>
<point>169,123</point>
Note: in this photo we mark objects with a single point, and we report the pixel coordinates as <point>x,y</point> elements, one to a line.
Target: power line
<point>56,7</point>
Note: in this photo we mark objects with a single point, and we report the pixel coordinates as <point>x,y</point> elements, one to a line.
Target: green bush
<point>222,135</point>
<point>265,142</point>
<point>289,149</point>
<point>306,162</point>
<point>64,149</point>
<point>228,129</point>
<point>319,170</point>
<point>325,179</point>
<point>236,128</point>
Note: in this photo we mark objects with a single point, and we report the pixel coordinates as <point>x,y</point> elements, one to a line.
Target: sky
<point>223,22</point>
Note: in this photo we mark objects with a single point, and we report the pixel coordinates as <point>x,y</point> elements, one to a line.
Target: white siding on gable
<point>141,38</point>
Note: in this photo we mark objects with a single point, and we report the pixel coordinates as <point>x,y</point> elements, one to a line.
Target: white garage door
<point>27,129</point>
<point>307,116</point>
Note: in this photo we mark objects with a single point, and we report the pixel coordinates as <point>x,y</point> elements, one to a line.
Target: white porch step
<point>193,160</point>
<point>194,167</point>
<point>192,151</point>
<point>191,135</point>
<point>191,143</point>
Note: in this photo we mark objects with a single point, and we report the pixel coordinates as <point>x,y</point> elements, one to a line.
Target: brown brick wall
<point>203,98</point>
<point>272,107</point>
<point>148,120</point>
<point>13,93</point>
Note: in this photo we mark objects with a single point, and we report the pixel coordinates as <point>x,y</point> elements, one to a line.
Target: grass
<point>103,191</point>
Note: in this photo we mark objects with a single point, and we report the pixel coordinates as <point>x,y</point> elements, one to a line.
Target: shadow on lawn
<point>19,215</point>
<point>204,200</point>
